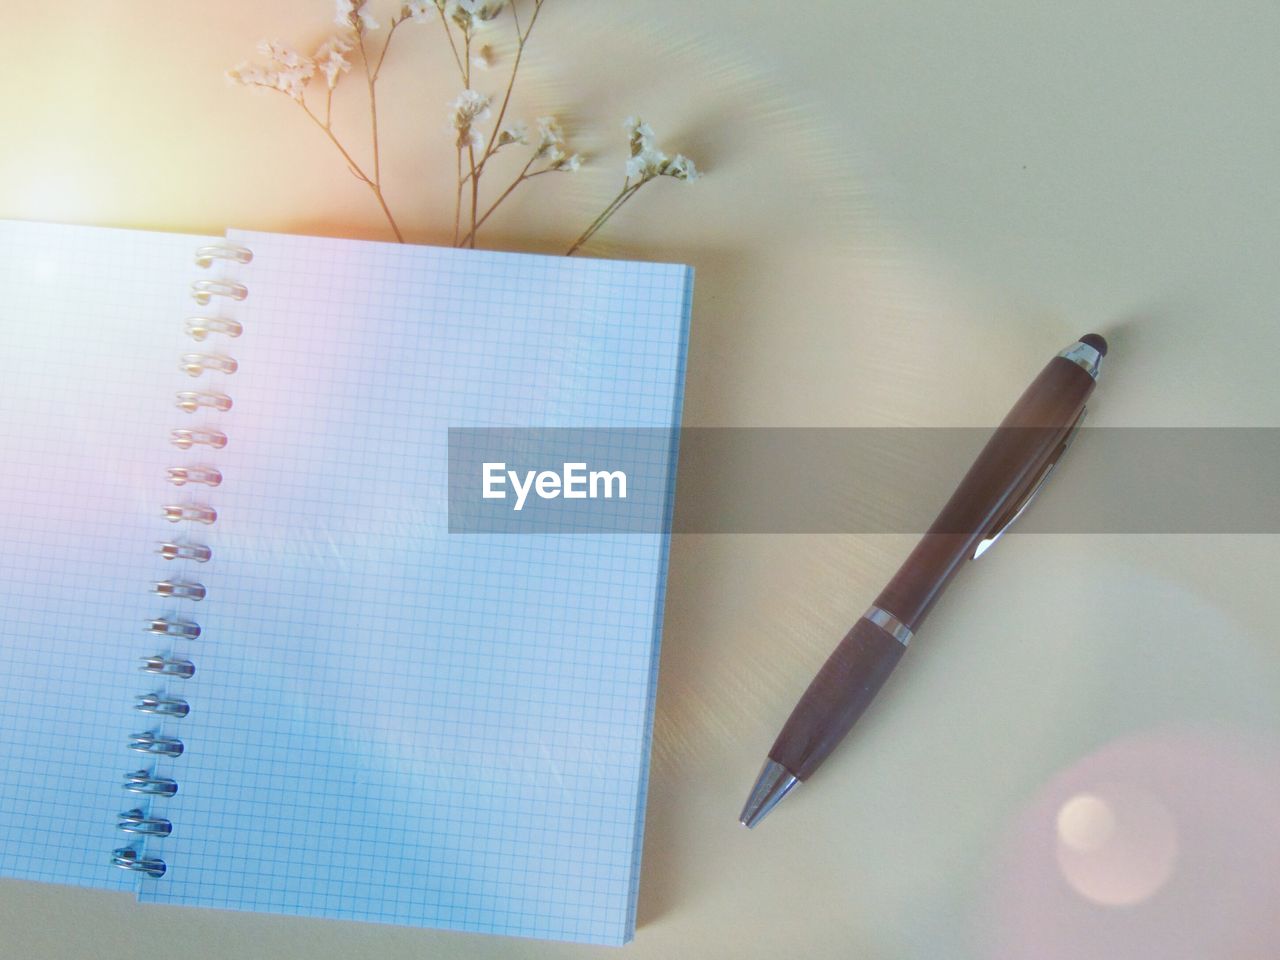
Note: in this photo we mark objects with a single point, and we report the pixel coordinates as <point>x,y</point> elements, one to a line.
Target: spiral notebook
<point>243,662</point>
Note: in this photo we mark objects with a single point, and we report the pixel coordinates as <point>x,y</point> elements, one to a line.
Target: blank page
<point>391,722</point>
<point>90,335</point>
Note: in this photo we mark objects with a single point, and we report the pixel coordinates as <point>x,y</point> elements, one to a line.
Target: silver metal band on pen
<point>890,624</point>
<point>1084,356</point>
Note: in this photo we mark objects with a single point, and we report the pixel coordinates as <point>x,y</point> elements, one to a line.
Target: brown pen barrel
<point>843,688</point>
<point>1004,471</point>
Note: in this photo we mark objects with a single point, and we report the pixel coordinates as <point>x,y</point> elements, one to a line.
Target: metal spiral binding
<point>180,476</point>
<point>201,328</point>
<point>159,705</point>
<point>157,744</point>
<point>186,439</point>
<point>194,364</point>
<point>180,589</point>
<point>186,551</point>
<point>222,251</point>
<point>186,629</point>
<point>205,290</point>
<point>193,400</point>
<point>129,859</point>
<point>189,511</point>
<point>136,821</point>
<point>169,667</point>
<point>145,782</point>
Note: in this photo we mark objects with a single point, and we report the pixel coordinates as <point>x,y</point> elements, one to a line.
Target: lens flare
<point>1117,845</point>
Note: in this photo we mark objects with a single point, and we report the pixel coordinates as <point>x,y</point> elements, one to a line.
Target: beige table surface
<point>1079,757</point>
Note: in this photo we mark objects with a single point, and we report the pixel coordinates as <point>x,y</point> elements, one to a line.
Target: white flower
<point>549,130</point>
<point>473,14</point>
<point>640,135</point>
<point>282,55</point>
<point>250,75</point>
<point>419,11</point>
<point>330,59</point>
<point>513,133</point>
<point>647,161</point>
<point>550,136</point>
<point>469,109</point>
<point>351,13</point>
<point>569,164</point>
<point>483,57</point>
<point>646,164</point>
<point>482,9</point>
<point>291,82</point>
<point>682,168</point>
<point>551,147</point>
<point>289,71</point>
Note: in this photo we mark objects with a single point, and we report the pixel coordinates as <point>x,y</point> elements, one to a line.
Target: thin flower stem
<point>607,212</point>
<point>448,32</point>
<point>355,169</point>
<point>471,150</point>
<point>377,192</point>
<point>466,59</point>
<point>373,109</point>
<point>480,166</point>
<point>626,194</point>
<point>490,148</point>
<point>475,194</point>
<point>383,56</point>
<point>521,178</point>
<point>511,82</point>
<point>457,202</point>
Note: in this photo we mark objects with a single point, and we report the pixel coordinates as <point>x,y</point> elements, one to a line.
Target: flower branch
<point>290,73</point>
<point>646,164</point>
<point>549,149</point>
<point>522,39</point>
<point>294,75</point>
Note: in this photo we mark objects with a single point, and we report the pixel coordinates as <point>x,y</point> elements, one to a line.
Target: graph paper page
<point>90,335</point>
<point>391,722</point>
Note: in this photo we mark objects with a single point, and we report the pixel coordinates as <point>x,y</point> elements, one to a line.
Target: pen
<point>1009,472</point>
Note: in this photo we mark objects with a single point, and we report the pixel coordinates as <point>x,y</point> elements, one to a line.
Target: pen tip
<point>774,783</point>
<point>1097,342</point>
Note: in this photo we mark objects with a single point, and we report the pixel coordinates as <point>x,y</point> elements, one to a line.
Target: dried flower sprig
<point>645,165</point>
<point>293,74</point>
<point>549,156</point>
<point>470,16</point>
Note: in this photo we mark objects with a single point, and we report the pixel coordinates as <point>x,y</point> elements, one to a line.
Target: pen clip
<point>1009,516</point>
